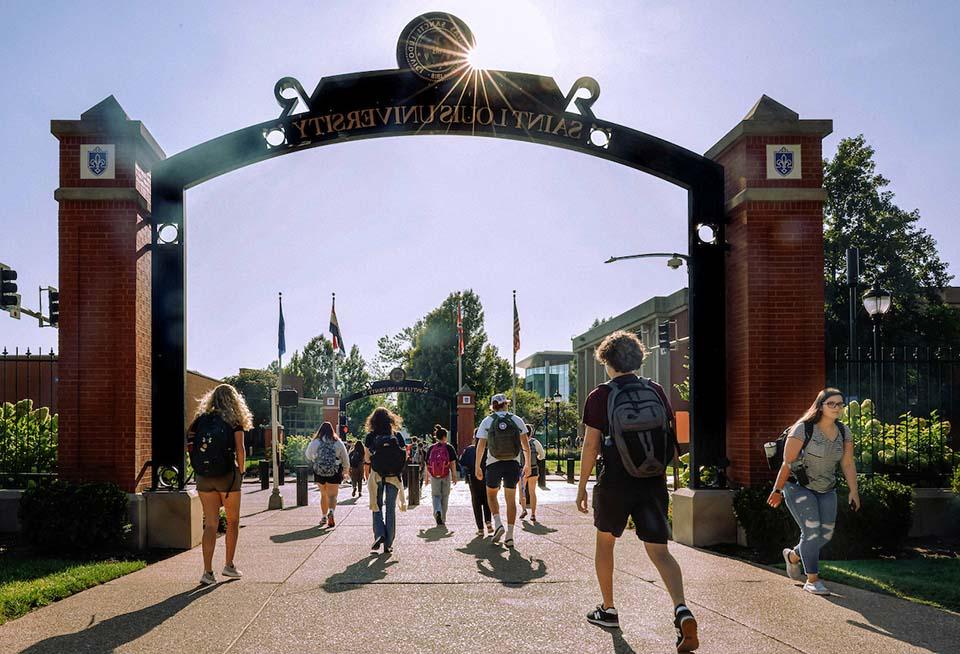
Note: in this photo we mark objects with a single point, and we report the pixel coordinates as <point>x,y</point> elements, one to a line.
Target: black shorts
<point>647,507</point>
<point>332,479</point>
<point>506,472</point>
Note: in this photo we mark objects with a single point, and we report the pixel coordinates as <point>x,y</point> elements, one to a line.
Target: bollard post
<point>264,475</point>
<point>570,476</point>
<point>413,484</point>
<point>542,475</point>
<point>282,473</point>
<point>302,485</point>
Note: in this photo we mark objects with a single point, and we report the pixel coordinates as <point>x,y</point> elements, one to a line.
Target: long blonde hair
<point>229,404</point>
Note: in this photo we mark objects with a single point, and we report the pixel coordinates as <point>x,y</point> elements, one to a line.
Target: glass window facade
<point>536,380</point>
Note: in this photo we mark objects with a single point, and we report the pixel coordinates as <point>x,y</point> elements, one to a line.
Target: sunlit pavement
<point>312,589</point>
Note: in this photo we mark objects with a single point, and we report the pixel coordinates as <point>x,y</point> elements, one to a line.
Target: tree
<point>353,375</point>
<point>314,364</point>
<point>894,251</point>
<point>254,385</point>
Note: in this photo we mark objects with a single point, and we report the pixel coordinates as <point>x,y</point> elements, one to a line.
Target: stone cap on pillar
<point>330,399</point>
<point>108,117</point>
<point>770,118</point>
<point>466,396</point>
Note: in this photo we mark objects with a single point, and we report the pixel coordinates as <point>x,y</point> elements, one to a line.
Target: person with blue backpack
<point>630,421</point>
<point>442,471</point>
<point>215,446</point>
<point>328,455</point>
<point>385,460</point>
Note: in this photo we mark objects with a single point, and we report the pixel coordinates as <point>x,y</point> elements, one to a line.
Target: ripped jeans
<point>816,514</point>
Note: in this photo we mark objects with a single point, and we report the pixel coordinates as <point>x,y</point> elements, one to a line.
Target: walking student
<point>442,470</point>
<point>215,445</point>
<point>330,460</point>
<point>636,449</point>
<point>478,491</point>
<point>502,442</point>
<point>385,458</point>
<point>537,454</point>
<point>356,469</point>
<point>807,483</point>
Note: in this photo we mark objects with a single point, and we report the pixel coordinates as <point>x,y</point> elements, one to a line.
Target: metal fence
<point>903,406</point>
<point>28,428</point>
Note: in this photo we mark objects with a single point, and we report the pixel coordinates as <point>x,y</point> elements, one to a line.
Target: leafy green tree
<point>353,375</point>
<point>255,387</point>
<point>314,364</point>
<point>894,251</point>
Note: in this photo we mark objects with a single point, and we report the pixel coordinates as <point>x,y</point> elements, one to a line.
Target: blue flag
<point>281,341</point>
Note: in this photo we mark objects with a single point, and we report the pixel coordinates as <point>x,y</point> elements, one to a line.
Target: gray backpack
<point>639,427</point>
<point>503,438</point>
<point>327,463</point>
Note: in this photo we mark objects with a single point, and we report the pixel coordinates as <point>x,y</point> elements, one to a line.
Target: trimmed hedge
<point>881,525</point>
<point>72,519</point>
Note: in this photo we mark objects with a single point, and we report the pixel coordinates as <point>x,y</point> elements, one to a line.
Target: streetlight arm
<point>649,255</point>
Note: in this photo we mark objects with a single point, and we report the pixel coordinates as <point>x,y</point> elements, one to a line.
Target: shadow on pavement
<point>537,528</point>
<point>511,570</point>
<point>302,534</point>
<point>907,627</point>
<point>349,501</point>
<point>367,570</point>
<point>112,633</point>
<point>620,646</point>
<point>434,534</point>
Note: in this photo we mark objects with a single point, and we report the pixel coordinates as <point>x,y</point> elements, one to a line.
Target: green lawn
<point>925,580</point>
<point>29,583</point>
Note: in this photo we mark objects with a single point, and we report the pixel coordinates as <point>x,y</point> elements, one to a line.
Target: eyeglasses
<point>834,405</point>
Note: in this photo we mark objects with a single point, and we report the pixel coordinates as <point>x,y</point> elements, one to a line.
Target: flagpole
<point>276,501</point>
<point>513,372</point>
<point>459,341</point>
<point>334,347</point>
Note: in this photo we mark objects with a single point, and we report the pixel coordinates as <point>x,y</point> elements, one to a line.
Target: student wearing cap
<point>503,445</point>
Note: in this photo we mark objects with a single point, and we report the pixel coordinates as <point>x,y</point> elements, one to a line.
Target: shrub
<point>882,524</point>
<point>28,441</point>
<point>955,480</point>
<point>294,449</point>
<point>708,474</point>
<point>74,519</point>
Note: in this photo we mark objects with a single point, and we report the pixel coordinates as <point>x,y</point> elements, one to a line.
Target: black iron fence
<point>28,421</point>
<point>903,406</point>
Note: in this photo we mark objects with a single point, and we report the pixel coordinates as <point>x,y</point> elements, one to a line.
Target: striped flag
<point>459,329</point>
<point>335,329</point>
<point>516,326</point>
<point>281,339</point>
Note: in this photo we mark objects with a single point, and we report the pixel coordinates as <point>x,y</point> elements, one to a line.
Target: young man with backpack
<point>502,442</point>
<point>629,420</point>
<point>442,471</point>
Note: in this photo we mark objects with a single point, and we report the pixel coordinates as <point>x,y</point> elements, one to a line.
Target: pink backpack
<point>439,462</point>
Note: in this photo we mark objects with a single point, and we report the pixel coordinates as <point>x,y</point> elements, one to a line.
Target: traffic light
<point>54,305</point>
<point>663,335</point>
<point>8,287</point>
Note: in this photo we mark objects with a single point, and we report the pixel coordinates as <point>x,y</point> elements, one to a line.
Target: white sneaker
<point>231,571</point>
<point>817,588</point>
<point>498,534</point>
<point>208,579</point>
<point>480,533</point>
<point>794,570</point>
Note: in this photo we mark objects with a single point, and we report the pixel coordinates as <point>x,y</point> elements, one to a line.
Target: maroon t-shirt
<point>595,415</point>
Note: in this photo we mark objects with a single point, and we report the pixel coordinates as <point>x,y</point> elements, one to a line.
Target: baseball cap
<point>499,398</point>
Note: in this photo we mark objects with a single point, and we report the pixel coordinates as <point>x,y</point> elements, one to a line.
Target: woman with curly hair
<point>385,460</point>
<point>215,444</point>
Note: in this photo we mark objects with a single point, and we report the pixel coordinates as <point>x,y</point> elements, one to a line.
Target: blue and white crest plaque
<point>97,160</point>
<point>783,161</point>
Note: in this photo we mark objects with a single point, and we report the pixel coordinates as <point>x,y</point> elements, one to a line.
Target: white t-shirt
<point>311,452</point>
<point>484,430</point>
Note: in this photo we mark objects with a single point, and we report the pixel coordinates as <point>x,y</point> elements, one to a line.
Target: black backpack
<point>356,458</point>
<point>388,457</point>
<point>773,450</point>
<point>639,427</point>
<point>503,438</point>
<point>212,454</point>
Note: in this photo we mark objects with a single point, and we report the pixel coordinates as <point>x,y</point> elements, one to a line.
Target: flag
<point>281,340</point>
<point>516,327</point>
<point>459,329</point>
<point>335,330</point>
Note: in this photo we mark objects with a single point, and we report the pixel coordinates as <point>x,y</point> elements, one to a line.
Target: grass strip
<point>26,584</point>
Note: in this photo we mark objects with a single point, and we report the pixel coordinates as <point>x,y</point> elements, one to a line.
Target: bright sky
<point>393,225</point>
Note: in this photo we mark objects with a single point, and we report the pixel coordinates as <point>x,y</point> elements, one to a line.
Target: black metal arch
<point>403,102</point>
<point>414,386</point>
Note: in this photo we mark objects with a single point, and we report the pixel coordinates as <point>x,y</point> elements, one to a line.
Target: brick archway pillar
<point>466,417</point>
<point>331,410</point>
<point>774,276</point>
<point>104,239</point>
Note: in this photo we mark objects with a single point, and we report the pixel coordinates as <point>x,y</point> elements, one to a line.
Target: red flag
<point>516,326</point>
<point>459,330</point>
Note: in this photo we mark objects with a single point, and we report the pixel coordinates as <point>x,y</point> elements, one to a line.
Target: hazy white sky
<point>393,225</point>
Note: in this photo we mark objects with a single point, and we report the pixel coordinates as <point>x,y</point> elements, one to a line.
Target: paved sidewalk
<point>307,589</point>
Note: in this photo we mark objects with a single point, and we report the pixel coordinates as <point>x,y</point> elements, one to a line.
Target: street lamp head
<point>877,301</point>
<point>557,398</point>
<point>546,403</point>
<point>674,262</point>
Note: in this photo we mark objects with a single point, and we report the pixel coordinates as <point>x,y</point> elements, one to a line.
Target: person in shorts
<point>618,496</point>
<point>529,496</point>
<point>502,472</point>
<point>327,442</point>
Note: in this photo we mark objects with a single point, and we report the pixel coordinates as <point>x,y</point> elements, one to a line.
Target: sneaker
<point>498,534</point>
<point>604,617</point>
<point>489,528</point>
<point>208,579</point>
<point>509,542</point>
<point>377,543</point>
<point>480,533</point>
<point>533,518</point>
<point>817,588</point>
<point>523,514</point>
<point>686,625</point>
<point>439,518</point>
<point>388,550</point>
<point>794,571</point>
<point>330,521</point>
<point>231,571</point>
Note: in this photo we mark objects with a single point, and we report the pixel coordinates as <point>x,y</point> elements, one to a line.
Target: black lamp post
<point>557,399</point>
<point>546,424</point>
<point>877,302</point>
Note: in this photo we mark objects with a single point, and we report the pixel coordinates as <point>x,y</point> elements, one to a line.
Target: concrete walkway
<point>307,589</point>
